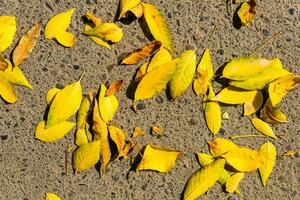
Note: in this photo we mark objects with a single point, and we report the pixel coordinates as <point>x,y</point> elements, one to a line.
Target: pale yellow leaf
<point>268,151</point>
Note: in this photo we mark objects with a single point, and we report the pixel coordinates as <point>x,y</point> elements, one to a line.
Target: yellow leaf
<point>138,11</point>
<point>117,136</point>
<point>65,103</point>
<point>233,181</point>
<point>3,64</point>
<point>204,73</point>
<point>127,5</point>
<point>51,94</point>
<point>268,151</point>
<point>272,114</point>
<point>141,72</point>
<point>114,88</point>
<point>108,105</point>
<point>155,81</point>
<point>86,156</point>
<point>263,127</point>
<point>53,133</point>
<point>253,73</point>
<point>184,74</point>
<point>109,32</point>
<point>220,146</point>
<point>8,27</point>
<point>81,137</point>
<point>141,53</point>
<point>7,91</point>
<point>252,100</point>
<point>156,129</point>
<point>205,159</point>
<point>247,12</point>
<point>91,22</point>
<point>158,158</point>
<point>52,196</point>
<point>212,113</point>
<point>101,133</point>
<point>137,131</point>
<point>83,112</point>
<point>88,132</point>
<point>57,26</point>
<point>26,44</point>
<point>157,26</point>
<point>127,150</point>
<point>243,159</point>
<point>203,179</point>
<point>290,153</point>
<point>14,76</point>
<point>225,115</point>
<point>281,86</point>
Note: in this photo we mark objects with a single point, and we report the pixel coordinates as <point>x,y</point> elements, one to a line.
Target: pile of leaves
<point>256,83</point>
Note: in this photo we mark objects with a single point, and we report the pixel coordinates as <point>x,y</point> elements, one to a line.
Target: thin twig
<point>213,31</point>
<point>243,136</point>
<point>69,148</point>
<point>265,42</point>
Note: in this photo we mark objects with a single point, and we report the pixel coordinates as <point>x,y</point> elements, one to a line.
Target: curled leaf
<point>263,127</point>
<point>26,44</point>
<point>84,111</point>
<point>117,136</point>
<point>137,131</point>
<point>114,88</point>
<point>51,94</point>
<point>127,5</point>
<point>53,133</point>
<point>7,91</point>
<point>247,12</point>
<point>272,114</point>
<point>156,129</point>
<point>141,53</point>
<point>268,151</point>
<point>8,27</point>
<point>158,158</point>
<point>233,181</point>
<point>81,137</point>
<point>129,147</point>
<point>86,156</point>
<point>108,105</point>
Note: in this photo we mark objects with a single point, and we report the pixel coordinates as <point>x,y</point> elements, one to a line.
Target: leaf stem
<point>266,41</point>
<point>243,136</point>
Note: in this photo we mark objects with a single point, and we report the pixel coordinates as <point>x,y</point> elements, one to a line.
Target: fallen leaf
<point>141,72</point>
<point>138,11</point>
<point>65,103</point>
<point>268,151</point>
<point>127,5</point>
<point>83,112</point>
<point>8,27</point>
<point>129,147</point>
<point>247,12</point>
<point>212,112</point>
<point>54,132</point>
<point>272,114</point>
<point>26,44</point>
<point>51,94</point>
<point>290,153</point>
<point>263,127</point>
<point>203,179</point>
<point>184,74</point>
<point>220,146</point>
<point>81,137</point>
<point>57,26</point>
<point>204,74</point>
<point>52,196</point>
<point>225,115</point>
<point>158,159</point>
<point>7,91</point>
<point>156,129</point>
<point>117,136</point>
<point>109,32</point>
<point>114,88</point>
<point>108,105</point>
<point>3,64</point>
<point>86,156</point>
<point>137,132</point>
<point>141,53</point>
<point>281,86</point>
<point>243,159</point>
<point>157,26</point>
<point>233,181</point>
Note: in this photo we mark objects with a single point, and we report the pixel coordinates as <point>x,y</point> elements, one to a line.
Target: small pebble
<point>4,137</point>
<point>265,32</point>
<point>222,131</point>
<point>159,99</point>
<point>198,36</point>
<point>59,86</point>
<point>292,11</point>
<point>75,67</point>
<point>91,1</point>
<point>141,106</point>
<point>220,51</point>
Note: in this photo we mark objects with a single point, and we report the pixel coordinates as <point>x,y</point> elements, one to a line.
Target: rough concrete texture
<point>29,168</point>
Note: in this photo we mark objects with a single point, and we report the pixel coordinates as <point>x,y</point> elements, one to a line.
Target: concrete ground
<point>29,168</point>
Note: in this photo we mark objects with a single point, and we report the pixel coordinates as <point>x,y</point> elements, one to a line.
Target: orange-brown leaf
<point>114,88</point>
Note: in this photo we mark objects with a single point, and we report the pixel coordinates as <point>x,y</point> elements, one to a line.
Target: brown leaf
<point>129,147</point>
<point>114,88</point>
<point>3,64</point>
<point>141,53</point>
<point>26,44</point>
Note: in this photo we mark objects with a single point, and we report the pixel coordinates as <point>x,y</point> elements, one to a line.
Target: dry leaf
<point>263,127</point>
<point>281,86</point>
<point>137,131</point>
<point>81,137</point>
<point>3,64</point>
<point>156,129</point>
<point>7,91</point>
<point>204,74</point>
<point>86,156</point>
<point>65,103</point>
<point>52,196</point>
<point>114,88</point>
<point>26,44</point>
<point>109,32</point>
<point>129,147</point>
<point>268,151</point>
<point>290,153</point>
<point>127,5</point>
<point>247,12</point>
<point>212,112</point>
<point>158,158</point>
<point>272,114</point>
<point>117,136</point>
<point>8,27</point>
<point>54,132</point>
<point>108,105</point>
<point>233,181</point>
<point>203,179</point>
<point>57,26</point>
<point>220,146</point>
<point>184,74</point>
<point>141,53</point>
<point>157,26</point>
